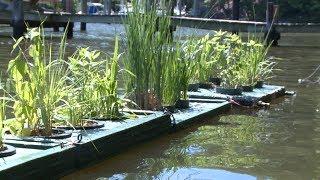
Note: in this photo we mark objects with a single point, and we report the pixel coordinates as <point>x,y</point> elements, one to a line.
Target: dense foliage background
<point>290,10</point>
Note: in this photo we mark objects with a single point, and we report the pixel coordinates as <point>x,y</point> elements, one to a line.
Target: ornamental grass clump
<point>259,65</point>
<point>170,84</point>
<point>148,42</point>
<point>187,65</point>
<point>37,84</point>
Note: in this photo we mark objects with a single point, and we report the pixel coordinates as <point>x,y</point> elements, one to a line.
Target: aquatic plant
<point>37,84</point>
<point>245,62</point>
<point>231,73</point>
<point>209,54</point>
<point>197,51</point>
<point>171,75</point>
<point>187,66</point>
<point>148,42</point>
<point>254,63</point>
<point>94,78</point>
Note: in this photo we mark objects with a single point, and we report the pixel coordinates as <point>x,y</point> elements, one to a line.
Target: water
<point>283,143</point>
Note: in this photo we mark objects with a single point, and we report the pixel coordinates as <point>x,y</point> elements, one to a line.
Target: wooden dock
<point>200,23</point>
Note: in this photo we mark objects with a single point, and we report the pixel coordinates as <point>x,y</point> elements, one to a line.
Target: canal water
<point>281,142</point>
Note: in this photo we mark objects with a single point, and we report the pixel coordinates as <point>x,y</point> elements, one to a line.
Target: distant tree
<point>290,10</point>
<point>300,10</point>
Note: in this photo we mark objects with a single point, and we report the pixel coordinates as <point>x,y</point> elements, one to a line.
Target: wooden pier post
<point>148,5</point>
<point>235,12</point>
<point>172,6</point>
<point>56,28</point>
<point>19,27</point>
<point>235,9</point>
<point>271,34</point>
<point>180,7</point>
<point>107,7</point>
<point>69,9</point>
<point>196,10</point>
<point>172,27</point>
<point>269,15</point>
<point>84,8</point>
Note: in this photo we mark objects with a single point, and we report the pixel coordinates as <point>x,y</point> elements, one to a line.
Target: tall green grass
<point>148,42</point>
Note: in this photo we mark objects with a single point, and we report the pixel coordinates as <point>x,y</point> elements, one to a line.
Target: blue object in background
<point>92,10</point>
<point>3,5</point>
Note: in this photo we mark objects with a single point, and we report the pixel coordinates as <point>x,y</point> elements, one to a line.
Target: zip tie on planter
<point>167,112</point>
<point>79,139</point>
<point>232,101</point>
<point>259,103</point>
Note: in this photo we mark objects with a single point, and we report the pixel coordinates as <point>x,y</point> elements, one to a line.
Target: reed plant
<point>37,84</point>
<point>187,65</point>
<point>171,80</point>
<point>148,42</point>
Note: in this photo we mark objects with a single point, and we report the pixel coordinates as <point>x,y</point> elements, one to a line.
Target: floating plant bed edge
<point>58,161</point>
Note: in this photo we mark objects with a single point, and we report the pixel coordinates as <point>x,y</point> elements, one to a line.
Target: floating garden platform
<point>265,94</point>
<point>200,109</point>
<point>83,148</point>
<point>38,157</point>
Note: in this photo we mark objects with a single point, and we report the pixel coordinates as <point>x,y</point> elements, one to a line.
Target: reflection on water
<point>282,142</point>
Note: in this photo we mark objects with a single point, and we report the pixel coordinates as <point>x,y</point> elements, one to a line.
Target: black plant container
<point>169,109</point>
<point>193,87</point>
<point>57,134</point>
<point>205,85</point>
<point>229,91</point>
<point>182,104</point>
<point>247,88</point>
<point>215,80</point>
<point>8,151</point>
<point>259,84</point>
<point>95,125</point>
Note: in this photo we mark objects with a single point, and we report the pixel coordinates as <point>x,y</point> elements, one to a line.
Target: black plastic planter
<point>247,88</point>
<point>193,87</point>
<point>215,80</point>
<point>8,151</point>
<point>229,91</point>
<point>169,109</point>
<point>38,142</point>
<point>259,84</point>
<point>205,85</point>
<point>94,125</point>
<point>183,104</point>
<point>57,134</point>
